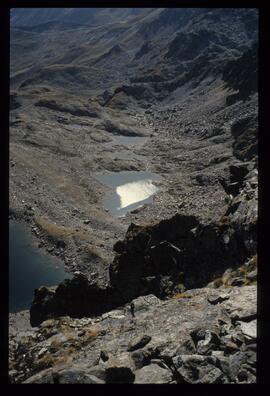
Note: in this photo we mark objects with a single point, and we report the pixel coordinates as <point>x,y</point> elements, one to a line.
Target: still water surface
<point>28,268</point>
<point>131,190</point>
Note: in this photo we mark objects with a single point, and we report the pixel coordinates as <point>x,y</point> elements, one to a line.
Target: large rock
<point>43,305</point>
<point>153,374</point>
<point>245,134</point>
<point>139,342</point>
<point>175,253</point>
<point>249,329</point>
<point>198,369</point>
<point>70,375</point>
<point>76,297</point>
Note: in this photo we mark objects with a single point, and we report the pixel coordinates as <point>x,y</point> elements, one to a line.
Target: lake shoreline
<point>29,268</point>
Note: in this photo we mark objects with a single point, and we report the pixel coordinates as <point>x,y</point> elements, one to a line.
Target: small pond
<point>131,190</point>
<point>28,268</point>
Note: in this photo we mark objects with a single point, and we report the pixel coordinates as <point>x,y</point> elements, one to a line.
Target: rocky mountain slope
<point>186,81</point>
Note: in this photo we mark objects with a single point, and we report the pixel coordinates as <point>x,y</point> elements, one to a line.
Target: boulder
<point>210,342</point>
<point>71,375</point>
<point>76,376</point>
<point>153,374</point>
<point>249,329</point>
<point>76,297</point>
<point>138,343</point>
<point>43,305</point>
<point>197,369</point>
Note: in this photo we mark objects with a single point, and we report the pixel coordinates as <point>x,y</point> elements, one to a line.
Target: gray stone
<point>42,352</point>
<point>76,376</point>
<point>97,371</point>
<point>153,374</point>
<point>235,363</point>
<point>252,276</point>
<point>43,377</point>
<point>139,343</point>
<point>212,375</point>
<point>249,329</point>
<point>217,353</point>
<point>208,343</point>
<point>144,303</point>
<point>216,299</point>
<point>143,357</point>
<point>191,368</point>
<point>187,348</point>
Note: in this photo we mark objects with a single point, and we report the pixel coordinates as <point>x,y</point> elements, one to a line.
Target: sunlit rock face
<point>131,190</point>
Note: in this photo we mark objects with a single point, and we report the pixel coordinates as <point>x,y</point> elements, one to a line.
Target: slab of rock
<point>249,329</point>
<point>64,376</point>
<point>216,299</point>
<point>43,377</point>
<point>153,374</point>
<point>144,303</point>
<point>139,343</point>
<point>119,369</point>
<point>243,305</point>
<point>143,357</point>
<point>76,376</point>
<point>212,376</point>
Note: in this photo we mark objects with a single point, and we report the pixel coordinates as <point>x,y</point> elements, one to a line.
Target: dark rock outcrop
<point>174,253</point>
<point>242,75</point>
<point>245,134</point>
<point>75,297</point>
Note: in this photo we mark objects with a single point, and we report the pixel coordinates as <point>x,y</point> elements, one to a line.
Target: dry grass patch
<point>90,251</point>
<point>53,230</point>
<point>183,295</point>
<point>56,232</point>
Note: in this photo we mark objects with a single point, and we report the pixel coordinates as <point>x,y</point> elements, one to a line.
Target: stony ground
<point>202,336</point>
<point>190,151</point>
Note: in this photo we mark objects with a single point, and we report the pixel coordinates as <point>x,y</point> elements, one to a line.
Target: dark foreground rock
<point>76,297</point>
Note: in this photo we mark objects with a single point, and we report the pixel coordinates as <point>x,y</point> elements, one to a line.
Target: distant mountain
<point>32,17</point>
<point>106,48</point>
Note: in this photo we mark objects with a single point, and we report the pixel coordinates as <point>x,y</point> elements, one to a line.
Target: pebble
<point>42,352</point>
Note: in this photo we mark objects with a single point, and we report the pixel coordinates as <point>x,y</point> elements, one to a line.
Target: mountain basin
<point>28,268</point>
<point>130,190</point>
